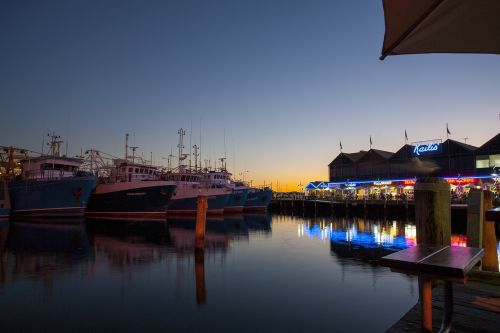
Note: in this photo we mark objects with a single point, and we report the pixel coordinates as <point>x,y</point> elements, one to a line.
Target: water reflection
<point>122,276</point>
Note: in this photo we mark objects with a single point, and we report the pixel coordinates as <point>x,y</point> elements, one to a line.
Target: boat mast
<point>181,156</point>
<point>54,144</point>
<point>126,146</point>
<point>196,154</point>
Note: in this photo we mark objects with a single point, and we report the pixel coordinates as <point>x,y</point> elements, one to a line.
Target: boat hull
<point>187,206</point>
<point>236,202</point>
<point>258,200</point>
<point>131,200</point>
<point>65,197</point>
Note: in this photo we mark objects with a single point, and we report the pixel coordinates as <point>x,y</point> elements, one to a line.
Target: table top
<point>446,262</point>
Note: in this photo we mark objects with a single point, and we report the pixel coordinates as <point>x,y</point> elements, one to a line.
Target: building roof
<point>491,146</point>
<point>347,158</point>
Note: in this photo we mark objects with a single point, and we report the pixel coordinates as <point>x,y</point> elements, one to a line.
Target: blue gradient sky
<point>285,80</point>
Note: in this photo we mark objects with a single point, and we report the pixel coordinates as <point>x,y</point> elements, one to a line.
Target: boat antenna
<point>181,156</point>
<point>133,153</point>
<point>190,137</point>
<point>200,144</point>
<point>196,158</point>
<point>126,146</point>
<point>225,151</point>
<point>55,144</point>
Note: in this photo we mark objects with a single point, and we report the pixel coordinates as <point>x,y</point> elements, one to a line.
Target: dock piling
<point>433,211</point>
<point>201,217</point>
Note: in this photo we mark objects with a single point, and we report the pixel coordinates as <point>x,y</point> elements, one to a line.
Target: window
<point>136,170</point>
<point>495,160</point>
<point>130,169</point>
<point>482,163</point>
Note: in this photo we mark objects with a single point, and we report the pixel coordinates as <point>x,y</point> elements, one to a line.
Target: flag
<point>406,136</point>
<point>340,145</point>
<point>370,140</point>
<point>447,130</point>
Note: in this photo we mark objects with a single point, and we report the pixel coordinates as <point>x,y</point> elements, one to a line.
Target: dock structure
<point>328,206</point>
<point>476,309</point>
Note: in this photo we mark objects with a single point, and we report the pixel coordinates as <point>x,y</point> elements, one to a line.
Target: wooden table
<point>428,262</point>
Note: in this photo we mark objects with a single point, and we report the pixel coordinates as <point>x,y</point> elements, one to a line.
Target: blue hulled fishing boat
<point>50,185</point>
<point>258,199</point>
<point>4,201</point>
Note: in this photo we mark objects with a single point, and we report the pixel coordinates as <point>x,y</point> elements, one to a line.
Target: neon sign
<point>409,182</point>
<point>427,148</point>
<point>379,183</point>
<point>460,181</point>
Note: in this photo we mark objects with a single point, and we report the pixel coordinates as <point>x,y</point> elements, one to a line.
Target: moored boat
<point>130,190</point>
<point>190,185</point>
<point>258,199</point>
<point>4,201</point>
<point>50,186</point>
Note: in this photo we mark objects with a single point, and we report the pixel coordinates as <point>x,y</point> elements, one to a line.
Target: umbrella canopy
<point>441,26</point>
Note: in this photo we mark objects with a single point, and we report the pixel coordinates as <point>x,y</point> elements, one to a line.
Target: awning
<point>441,26</point>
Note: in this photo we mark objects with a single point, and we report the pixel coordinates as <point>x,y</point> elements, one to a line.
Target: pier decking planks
<point>476,308</point>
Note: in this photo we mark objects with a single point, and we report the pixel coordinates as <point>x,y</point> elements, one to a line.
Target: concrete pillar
<point>433,211</point>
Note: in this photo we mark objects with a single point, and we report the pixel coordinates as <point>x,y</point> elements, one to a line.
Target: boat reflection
<point>42,251</point>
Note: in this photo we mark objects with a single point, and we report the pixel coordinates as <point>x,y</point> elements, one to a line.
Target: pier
<point>476,308</point>
<point>310,205</point>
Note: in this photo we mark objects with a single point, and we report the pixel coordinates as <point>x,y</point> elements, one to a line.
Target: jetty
<point>476,308</point>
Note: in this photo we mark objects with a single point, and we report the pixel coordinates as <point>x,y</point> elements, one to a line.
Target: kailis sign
<point>427,148</point>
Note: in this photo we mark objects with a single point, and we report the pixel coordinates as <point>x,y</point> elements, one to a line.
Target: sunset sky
<point>285,81</point>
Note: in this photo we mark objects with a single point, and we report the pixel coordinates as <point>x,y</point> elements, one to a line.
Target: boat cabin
<point>50,167</point>
<point>126,171</point>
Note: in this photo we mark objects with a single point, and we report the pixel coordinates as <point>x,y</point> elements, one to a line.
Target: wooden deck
<point>476,308</point>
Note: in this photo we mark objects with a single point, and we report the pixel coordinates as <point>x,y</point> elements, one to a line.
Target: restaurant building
<point>379,174</point>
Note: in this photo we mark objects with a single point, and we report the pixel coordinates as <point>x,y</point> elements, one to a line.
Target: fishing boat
<point>4,201</point>
<point>258,199</point>
<point>130,188</point>
<point>50,185</point>
<point>190,184</point>
<point>222,178</point>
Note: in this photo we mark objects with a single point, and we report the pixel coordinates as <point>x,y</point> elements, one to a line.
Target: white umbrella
<point>441,26</point>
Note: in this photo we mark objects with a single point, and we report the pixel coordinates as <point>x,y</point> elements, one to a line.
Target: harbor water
<point>258,273</point>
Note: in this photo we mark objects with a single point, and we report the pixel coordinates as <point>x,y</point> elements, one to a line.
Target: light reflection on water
<point>256,274</point>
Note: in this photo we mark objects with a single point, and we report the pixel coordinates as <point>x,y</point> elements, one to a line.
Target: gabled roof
<point>377,154</point>
<point>453,147</point>
<point>464,145</point>
<point>491,146</point>
<point>385,154</point>
<point>347,158</point>
<point>403,153</point>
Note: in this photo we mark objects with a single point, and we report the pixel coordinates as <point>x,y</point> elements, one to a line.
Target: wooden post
<point>433,211</point>
<point>425,295</point>
<point>201,217</point>
<point>490,259</point>
<point>475,218</point>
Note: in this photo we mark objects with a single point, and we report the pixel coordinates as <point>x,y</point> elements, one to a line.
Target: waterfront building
<point>380,174</point>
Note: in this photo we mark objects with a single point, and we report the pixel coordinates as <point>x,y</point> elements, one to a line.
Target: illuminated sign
<point>409,182</point>
<point>379,183</point>
<point>461,181</point>
<point>351,184</point>
<point>427,148</point>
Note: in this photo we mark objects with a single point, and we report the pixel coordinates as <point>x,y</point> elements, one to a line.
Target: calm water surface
<point>259,273</point>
